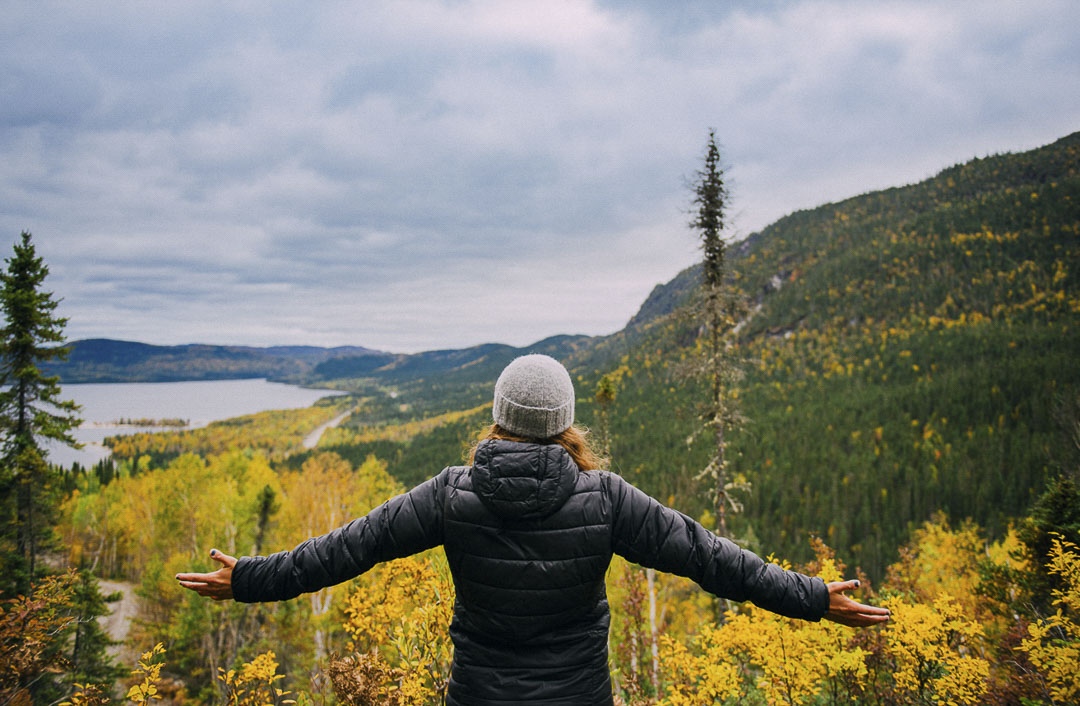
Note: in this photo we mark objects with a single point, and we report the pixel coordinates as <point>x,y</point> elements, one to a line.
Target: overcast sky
<point>418,175</point>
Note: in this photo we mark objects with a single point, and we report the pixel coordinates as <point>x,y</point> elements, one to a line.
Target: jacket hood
<point>517,480</point>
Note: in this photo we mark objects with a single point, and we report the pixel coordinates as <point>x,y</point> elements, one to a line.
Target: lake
<point>200,402</point>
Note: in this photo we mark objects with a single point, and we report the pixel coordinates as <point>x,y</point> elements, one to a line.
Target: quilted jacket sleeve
<point>403,525</point>
<point>650,534</point>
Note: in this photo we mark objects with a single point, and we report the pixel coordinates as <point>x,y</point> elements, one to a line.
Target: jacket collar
<point>517,480</point>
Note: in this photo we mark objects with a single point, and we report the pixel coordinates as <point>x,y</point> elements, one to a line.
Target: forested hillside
<point>911,352</point>
<point>435,382</point>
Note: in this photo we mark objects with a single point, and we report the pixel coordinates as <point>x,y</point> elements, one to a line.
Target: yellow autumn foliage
<point>1053,644</point>
<point>404,431</point>
<point>398,618</point>
<point>255,683</point>
<point>148,673</point>
<point>787,661</point>
<point>277,433</point>
<point>931,649</point>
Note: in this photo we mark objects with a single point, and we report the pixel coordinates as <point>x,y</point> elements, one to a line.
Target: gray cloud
<point>425,174</point>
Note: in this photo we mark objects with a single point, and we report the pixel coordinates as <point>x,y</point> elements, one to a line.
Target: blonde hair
<point>574,439</point>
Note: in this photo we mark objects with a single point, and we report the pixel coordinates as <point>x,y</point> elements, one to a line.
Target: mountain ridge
<point>113,360</point>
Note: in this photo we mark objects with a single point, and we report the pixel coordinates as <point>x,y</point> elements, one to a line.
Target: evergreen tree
<point>719,309</point>
<point>30,407</point>
<point>1056,515</point>
<point>710,197</point>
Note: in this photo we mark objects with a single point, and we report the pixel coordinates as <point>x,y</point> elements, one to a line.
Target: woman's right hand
<point>216,584</point>
<point>849,612</point>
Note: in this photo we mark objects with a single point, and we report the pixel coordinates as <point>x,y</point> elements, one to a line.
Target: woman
<point>529,529</point>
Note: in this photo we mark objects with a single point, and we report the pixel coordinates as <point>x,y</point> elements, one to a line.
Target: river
<point>199,402</point>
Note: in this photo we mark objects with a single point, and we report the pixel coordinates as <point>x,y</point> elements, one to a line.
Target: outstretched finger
<point>859,620</point>
<point>842,604</point>
<point>224,559</point>
<point>841,586</point>
<point>208,590</point>
<point>873,610</point>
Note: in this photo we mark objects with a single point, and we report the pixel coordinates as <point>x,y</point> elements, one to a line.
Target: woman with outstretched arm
<point>529,530</point>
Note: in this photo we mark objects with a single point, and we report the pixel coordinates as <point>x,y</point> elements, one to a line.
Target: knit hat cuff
<point>533,422</point>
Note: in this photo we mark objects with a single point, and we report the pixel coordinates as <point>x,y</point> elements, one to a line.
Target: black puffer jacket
<point>528,538</point>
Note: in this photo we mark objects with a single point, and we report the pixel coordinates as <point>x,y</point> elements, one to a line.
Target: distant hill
<point>437,381</point>
<point>106,360</point>
<point>472,363</point>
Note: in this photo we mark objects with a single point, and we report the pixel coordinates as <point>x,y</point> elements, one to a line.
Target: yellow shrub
<point>149,674</point>
<point>930,649</point>
<point>697,678</point>
<point>254,683</point>
<point>400,614</point>
<point>788,661</point>
<point>1053,645</point>
<point>940,560</point>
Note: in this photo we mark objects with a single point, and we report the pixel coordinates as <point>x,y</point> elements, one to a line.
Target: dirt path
<point>117,624</point>
<point>312,439</point>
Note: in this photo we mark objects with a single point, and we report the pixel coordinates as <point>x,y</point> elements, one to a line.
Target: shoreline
<point>126,425</point>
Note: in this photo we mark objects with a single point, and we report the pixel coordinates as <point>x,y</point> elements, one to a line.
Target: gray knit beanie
<point>534,397</point>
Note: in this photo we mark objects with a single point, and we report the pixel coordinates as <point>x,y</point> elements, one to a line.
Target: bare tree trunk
<point>30,528</point>
<point>650,575</point>
<point>720,496</point>
<point>320,605</point>
<point>721,483</point>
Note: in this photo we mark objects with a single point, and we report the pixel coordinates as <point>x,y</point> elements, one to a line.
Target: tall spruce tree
<point>718,310</point>
<point>31,410</point>
<point>710,198</point>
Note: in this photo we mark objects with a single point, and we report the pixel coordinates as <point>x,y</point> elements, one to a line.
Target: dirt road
<point>117,624</point>
<point>312,439</point>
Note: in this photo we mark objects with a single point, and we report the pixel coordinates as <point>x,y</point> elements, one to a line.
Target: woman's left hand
<point>216,584</point>
<point>849,612</point>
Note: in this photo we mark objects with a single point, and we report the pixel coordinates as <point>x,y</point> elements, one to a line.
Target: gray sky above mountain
<point>417,175</point>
